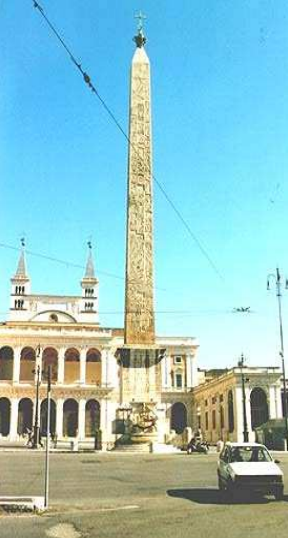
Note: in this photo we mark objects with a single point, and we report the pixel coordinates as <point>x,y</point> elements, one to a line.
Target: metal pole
<point>36,422</point>
<point>46,496</point>
<point>278,286</point>
<point>245,428</point>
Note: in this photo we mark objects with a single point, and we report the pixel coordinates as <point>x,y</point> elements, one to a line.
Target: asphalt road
<point>139,496</point>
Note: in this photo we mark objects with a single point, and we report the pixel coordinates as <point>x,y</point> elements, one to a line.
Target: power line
<point>88,81</point>
<point>58,260</point>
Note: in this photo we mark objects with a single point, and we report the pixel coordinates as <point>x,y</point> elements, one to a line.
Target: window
<point>214,399</point>
<point>221,418</point>
<point>214,419</point>
<point>179,381</point>
<point>18,304</point>
<point>221,398</point>
<point>206,420</point>
<point>206,403</point>
<point>230,412</point>
<point>89,307</point>
<point>199,421</point>
<point>177,359</point>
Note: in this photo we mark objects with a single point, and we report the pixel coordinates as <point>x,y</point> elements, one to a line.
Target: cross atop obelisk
<point>139,302</point>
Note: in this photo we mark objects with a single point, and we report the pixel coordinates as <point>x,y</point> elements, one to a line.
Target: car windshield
<point>250,454</point>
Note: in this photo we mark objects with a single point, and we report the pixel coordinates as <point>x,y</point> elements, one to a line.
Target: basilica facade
<point>87,376</point>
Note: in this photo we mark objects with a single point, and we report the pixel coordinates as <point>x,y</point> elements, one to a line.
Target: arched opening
<point>27,364</point>
<point>50,358</point>
<point>25,416</point>
<point>259,407</point>
<point>230,412</point>
<point>5,411</point>
<point>70,418</point>
<point>178,420</point>
<point>93,367</point>
<point>72,366</point>
<point>43,417</point>
<point>92,418</point>
<point>6,363</point>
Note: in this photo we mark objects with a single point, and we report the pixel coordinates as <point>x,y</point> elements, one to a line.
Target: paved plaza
<point>139,496</point>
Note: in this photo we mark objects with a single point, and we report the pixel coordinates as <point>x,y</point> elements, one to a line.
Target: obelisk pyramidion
<point>139,308</point>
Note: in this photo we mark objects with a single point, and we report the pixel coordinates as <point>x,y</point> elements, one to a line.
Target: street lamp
<point>36,428</point>
<point>277,279</point>
<point>245,428</point>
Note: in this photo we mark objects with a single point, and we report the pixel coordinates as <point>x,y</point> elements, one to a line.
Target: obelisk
<point>139,307</point>
<point>139,356</point>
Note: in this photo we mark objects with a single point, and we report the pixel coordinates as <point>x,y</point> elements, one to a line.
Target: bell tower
<point>89,285</point>
<point>20,286</point>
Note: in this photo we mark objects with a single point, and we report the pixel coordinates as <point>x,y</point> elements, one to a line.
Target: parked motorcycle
<point>197,446</point>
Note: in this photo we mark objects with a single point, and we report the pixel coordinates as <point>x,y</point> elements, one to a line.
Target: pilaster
<point>16,364</point>
<point>59,417</point>
<point>83,352</point>
<point>61,365</point>
<point>14,419</point>
<point>81,418</point>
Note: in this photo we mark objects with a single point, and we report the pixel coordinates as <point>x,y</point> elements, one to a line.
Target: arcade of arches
<point>68,366</point>
<point>72,417</point>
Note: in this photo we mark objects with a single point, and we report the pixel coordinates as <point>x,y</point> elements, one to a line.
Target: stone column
<point>112,369</point>
<point>83,352</point>
<point>59,418</point>
<point>81,418</point>
<point>278,399</point>
<point>13,419</point>
<point>104,367</point>
<point>238,414</point>
<point>189,381</point>
<point>61,365</point>
<point>164,372</point>
<point>16,364</point>
<point>272,402</point>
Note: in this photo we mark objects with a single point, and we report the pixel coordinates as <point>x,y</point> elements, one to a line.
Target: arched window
<point>72,366</point>
<point>25,416</point>
<point>93,367</point>
<point>5,410</point>
<point>178,417</point>
<point>92,418</point>
<point>259,407</point>
<point>6,363</point>
<point>43,417</point>
<point>70,418</point>
<point>230,412</point>
<point>50,358</point>
<point>27,364</point>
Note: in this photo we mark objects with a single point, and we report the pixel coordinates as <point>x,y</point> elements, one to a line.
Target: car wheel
<point>279,494</point>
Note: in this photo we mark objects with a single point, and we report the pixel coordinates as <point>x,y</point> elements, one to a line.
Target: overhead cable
<point>88,81</point>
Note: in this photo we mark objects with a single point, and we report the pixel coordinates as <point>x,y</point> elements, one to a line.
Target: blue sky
<point>220,131</point>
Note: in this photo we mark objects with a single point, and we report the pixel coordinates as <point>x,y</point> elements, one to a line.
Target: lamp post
<point>245,428</point>
<point>46,495</point>
<point>277,279</point>
<point>36,427</point>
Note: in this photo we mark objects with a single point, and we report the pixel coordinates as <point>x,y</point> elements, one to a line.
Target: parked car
<point>249,467</point>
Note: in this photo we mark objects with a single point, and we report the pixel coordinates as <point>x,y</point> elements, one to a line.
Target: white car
<point>250,467</point>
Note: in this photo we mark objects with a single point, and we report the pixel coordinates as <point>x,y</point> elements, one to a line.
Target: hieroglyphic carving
<point>139,307</point>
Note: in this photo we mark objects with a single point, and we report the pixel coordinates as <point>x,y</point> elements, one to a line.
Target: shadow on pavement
<point>214,496</point>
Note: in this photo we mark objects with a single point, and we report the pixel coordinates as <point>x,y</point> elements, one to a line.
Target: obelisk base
<point>140,387</point>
